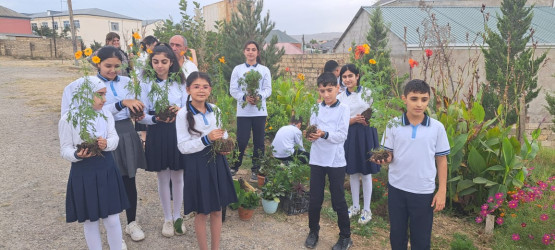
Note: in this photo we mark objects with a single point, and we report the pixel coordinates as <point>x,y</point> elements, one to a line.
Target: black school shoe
<point>311,240</point>
<point>343,243</point>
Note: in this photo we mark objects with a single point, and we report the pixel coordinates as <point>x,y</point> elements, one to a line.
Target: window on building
<point>66,24</point>
<point>77,25</point>
<point>115,26</point>
<point>55,25</point>
<point>44,24</point>
<point>34,26</point>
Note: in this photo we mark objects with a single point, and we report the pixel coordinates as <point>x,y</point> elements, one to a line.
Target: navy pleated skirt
<point>208,183</point>
<point>129,154</point>
<point>95,189</point>
<point>361,140</point>
<point>161,148</point>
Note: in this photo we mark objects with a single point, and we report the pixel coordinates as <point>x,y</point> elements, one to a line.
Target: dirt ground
<point>34,178</point>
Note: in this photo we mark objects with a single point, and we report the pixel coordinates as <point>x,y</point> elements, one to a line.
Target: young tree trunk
<point>522,119</point>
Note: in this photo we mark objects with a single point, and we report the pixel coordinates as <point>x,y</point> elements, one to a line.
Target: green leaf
<point>517,183</point>
<point>536,134</point>
<point>476,162</point>
<point>478,112</point>
<point>508,154</point>
<point>480,180</point>
<point>467,191</point>
<point>464,184</point>
<point>496,168</point>
<point>455,179</point>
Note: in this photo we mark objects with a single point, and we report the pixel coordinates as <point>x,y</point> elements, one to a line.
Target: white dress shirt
<point>334,120</point>
<point>116,92</point>
<point>188,143</point>
<point>188,68</point>
<point>238,92</point>
<point>177,95</point>
<point>286,139</point>
<point>358,101</point>
<point>69,135</point>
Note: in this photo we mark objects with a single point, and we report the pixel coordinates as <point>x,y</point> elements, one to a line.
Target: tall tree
<point>377,39</point>
<point>247,24</point>
<point>511,67</point>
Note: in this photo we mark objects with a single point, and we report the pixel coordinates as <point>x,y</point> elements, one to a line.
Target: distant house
<point>217,12</point>
<point>91,24</point>
<point>14,24</point>
<point>288,43</point>
<point>328,46</point>
<point>150,25</point>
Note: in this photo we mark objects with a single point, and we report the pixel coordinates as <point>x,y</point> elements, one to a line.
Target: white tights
<point>164,177</point>
<point>113,231</point>
<point>366,189</point>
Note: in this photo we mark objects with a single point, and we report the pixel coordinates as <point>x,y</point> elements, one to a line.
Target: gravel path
<point>34,178</point>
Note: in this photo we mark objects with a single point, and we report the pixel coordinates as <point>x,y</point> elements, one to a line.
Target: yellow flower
<point>372,61</point>
<point>300,76</point>
<point>142,47</point>
<point>138,53</point>
<point>366,48</point>
<point>350,48</point>
<point>136,35</point>
<point>270,128</point>
<point>222,59</point>
<point>149,51</point>
<point>130,45</point>
<point>96,59</point>
<point>78,54</point>
<point>88,51</point>
<point>190,59</point>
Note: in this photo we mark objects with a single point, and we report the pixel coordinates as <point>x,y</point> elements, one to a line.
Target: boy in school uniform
<point>327,157</point>
<point>416,146</point>
<point>288,142</point>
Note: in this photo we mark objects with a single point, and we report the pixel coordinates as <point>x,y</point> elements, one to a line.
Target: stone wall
<point>36,47</point>
<point>311,65</point>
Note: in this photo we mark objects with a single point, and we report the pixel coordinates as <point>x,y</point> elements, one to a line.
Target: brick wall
<point>36,47</point>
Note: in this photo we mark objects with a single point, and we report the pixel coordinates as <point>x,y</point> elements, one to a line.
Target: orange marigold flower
<point>78,54</point>
<point>130,45</point>
<point>222,59</point>
<point>350,48</point>
<point>190,59</point>
<point>502,214</point>
<point>300,76</point>
<point>270,128</point>
<point>412,63</point>
<point>88,51</point>
<point>366,48</point>
<point>513,215</point>
<point>136,35</point>
<point>96,59</point>
<point>372,61</point>
<point>182,53</point>
<point>149,51</point>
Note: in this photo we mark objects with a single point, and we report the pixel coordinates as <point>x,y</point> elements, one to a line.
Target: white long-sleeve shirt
<point>188,143</point>
<point>69,135</point>
<point>334,120</point>
<point>188,68</point>
<point>115,93</point>
<point>287,137</point>
<point>238,92</point>
<point>177,95</point>
<point>70,88</point>
<point>356,101</point>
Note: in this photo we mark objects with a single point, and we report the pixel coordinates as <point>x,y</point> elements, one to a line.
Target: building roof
<point>329,44</point>
<point>282,37</point>
<point>5,12</point>
<point>289,48</point>
<point>85,12</point>
<point>151,21</point>
<point>461,21</point>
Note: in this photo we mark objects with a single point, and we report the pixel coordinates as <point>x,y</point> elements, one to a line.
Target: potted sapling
<point>250,83</point>
<point>159,93</point>
<point>270,196</point>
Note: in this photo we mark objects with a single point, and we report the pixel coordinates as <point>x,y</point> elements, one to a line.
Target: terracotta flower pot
<point>245,214</point>
<point>261,180</point>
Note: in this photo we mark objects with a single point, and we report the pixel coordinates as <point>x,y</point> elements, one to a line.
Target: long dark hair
<point>108,52</point>
<point>350,67</point>
<point>190,119</point>
<point>149,40</point>
<point>164,48</point>
<point>257,48</point>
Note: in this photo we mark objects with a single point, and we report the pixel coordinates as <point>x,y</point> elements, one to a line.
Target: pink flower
<point>499,221</point>
<point>546,239</point>
<point>498,196</point>
<point>490,199</point>
<point>484,207</point>
<point>479,219</point>
<point>499,202</point>
<point>542,185</point>
<point>523,224</point>
<point>516,237</point>
<point>552,188</point>
<point>483,213</point>
<point>513,204</point>
<point>531,236</point>
<point>553,206</point>
<point>544,217</point>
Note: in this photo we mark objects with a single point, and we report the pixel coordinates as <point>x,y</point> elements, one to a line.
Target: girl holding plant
<point>251,109</point>
<point>129,154</point>
<point>361,140</point>
<point>95,189</point>
<point>208,183</point>
<point>163,96</point>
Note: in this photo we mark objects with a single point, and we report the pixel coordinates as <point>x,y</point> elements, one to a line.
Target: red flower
<point>359,51</point>
<point>516,237</point>
<point>523,224</point>
<point>544,217</point>
<point>412,63</point>
<point>287,69</point>
<point>429,52</point>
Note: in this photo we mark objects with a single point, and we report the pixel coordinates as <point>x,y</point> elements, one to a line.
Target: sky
<point>296,17</point>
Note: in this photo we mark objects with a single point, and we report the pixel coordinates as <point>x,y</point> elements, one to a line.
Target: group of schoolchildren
<point>180,149</point>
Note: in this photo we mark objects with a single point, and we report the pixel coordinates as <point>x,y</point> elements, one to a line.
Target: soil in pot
<point>91,146</point>
<point>135,115</point>
<point>224,145</point>
<point>367,114</point>
<point>311,129</point>
<point>245,214</point>
<point>379,155</point>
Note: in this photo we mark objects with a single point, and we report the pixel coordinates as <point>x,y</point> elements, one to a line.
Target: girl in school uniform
<point>250,118</point>
<point>129,154</point>
<point>162,155</point>
<point>208,182</point>
<point>94,188</point>
<point>361,140</point>
<point>147,44</point>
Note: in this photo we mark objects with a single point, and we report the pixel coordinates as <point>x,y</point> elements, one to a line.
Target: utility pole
<point>54,30</point>
<point>72,25</point>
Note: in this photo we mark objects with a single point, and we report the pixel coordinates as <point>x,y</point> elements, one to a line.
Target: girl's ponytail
<point>190,119</point>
